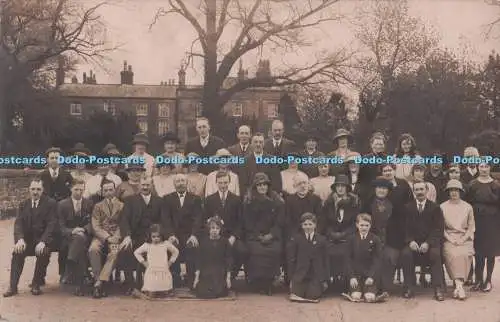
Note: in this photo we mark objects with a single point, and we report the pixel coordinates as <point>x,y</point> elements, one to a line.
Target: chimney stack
<point>182,77</point>
<point>84,78</point>
<point>127,75</point>
<point>130,75</point>
<point>241,72</point>
<point>60,73</point>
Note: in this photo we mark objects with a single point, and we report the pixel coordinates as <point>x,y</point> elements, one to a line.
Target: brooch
<point>371,241</point>
<point>314,242</point>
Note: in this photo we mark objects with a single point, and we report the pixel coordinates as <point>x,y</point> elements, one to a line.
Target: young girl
<point>157,278</point>
<point>213,263</point>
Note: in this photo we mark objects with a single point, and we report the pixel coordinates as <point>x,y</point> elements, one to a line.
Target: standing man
<point>205,145</point>
<point>106,218</point>
<point>56,180</point>
<point>243,147</point>
<point>33,236</point>
<point>140,144</point>
<point>74,214</point>
<point>181,222</point>
<point>140,211</point>
<point>278,145</point>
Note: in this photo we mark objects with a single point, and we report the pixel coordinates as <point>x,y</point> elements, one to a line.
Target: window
<point>162,127</point>
<point>143,126</point>
<point>199,109</point>
<point>141,109</point>
<point>164,110</point>
<point>109,107</point>
<point>272,110</point>
<point>238,110</point>
<point>75,109</point>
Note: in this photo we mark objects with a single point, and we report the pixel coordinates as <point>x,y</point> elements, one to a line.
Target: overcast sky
<point>157,54</point>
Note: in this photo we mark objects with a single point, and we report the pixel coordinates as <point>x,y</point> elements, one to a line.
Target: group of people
<point>348,227</point>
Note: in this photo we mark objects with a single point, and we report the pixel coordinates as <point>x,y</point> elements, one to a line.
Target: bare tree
<point>275,24</point>
<point>36,37</point>
<point>492,25</point>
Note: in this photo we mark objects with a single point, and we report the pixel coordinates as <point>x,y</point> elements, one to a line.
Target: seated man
<point>105,225</point>
<point>33,235</point>
<point>74,215</point>
<point>424,237</point>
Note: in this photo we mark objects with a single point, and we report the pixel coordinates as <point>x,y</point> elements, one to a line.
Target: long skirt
<point>458,259</point>
<point>263,260</point>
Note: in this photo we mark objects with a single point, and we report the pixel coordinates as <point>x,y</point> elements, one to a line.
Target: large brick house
<point>169,106</point>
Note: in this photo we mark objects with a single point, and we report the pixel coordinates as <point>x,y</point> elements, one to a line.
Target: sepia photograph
<point>249,160</point>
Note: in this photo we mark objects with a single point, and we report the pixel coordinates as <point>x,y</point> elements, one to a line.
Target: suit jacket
<point>310,169</point>
<point>214,143</point>
<point>106,221</point>
<point>304,256</point>
<point>137,217</point>
<point>364,257</point>
<point>425,227</point>
<point>36,225</point>
<point>184,221</point>
<point>230,213</point>
<point>59,188</point>
<point>68,219</point>
<point>236,150</point>
<point>250,168</point>
<point>285,148</point>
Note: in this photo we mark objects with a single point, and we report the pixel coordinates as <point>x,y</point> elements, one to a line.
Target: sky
<point>157,54</point>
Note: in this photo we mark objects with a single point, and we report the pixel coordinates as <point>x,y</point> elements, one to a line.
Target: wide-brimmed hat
<point>261,177</point>
<point>340,179</point>
<point>110,149</point>
<point>351,156</point>
<point>342,133</point>
<point>382,183</point>
<point>170,136</point>
<point>140,138</point>
<point>80,149</point>
<point>53,149</point>
<point>223,153</point>
<point>135,167</point>
<point>471,151</point>
<point>454,184</point>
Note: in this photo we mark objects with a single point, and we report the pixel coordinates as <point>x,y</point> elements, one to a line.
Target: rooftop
<point>119,91</point>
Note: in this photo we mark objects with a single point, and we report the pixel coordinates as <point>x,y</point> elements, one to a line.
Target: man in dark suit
<point>227,206</point>
<point>33,236</point>
<point>56,180</point>
<point>205,145</point>
<point>140,211</point>
<point>424,238</point>
<point>243,146</point>
<point>74,214</point>
<point>250,168</point>
<point>278,145</point>
<point>181,221</point>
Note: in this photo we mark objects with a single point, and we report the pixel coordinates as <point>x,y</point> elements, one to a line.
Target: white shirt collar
<point>244,146</point>
<point>472,171</point>
<point>258,154</point>
<point>181,193</point>
<point>54,172</point>
<point>277,141</point>
<point>363,236</point>
<point>421,203</point>
<point>204,140</point>
<point>223,194</point>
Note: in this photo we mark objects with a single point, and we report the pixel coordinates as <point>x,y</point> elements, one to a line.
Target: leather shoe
<point>35,290</point>
<point>439,296</point>
<point>10,292</point>
<point>408,294</point>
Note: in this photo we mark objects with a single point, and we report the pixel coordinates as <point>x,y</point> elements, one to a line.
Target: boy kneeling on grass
<point>364,257</point>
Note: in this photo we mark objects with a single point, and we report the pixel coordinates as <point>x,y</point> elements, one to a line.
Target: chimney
<point>74,80</point>
<point>60,74</point>
<point>182,77</point>
<point>241,72</point>
<point>130,75</point>
<point>84,78</point>
<point>124,74</point>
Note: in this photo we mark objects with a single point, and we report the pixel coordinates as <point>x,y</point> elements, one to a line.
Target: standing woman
<point>196,181</point>
<point>407,148</point>
<point>459,227</point>
<point>263,216</point>
<point>342,140</point>
<point>321,184</point>
<point>484,195</point>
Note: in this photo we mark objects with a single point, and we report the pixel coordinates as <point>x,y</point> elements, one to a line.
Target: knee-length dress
<point>458,225</point>
<point>485,201</point>
<point>213,260</point>
<point>263,216</point>
<point>157,277</point>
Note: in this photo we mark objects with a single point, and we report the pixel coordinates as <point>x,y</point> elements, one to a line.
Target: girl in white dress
<point>157,278</point>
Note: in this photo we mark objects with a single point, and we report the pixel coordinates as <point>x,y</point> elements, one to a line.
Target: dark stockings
<point>481,262</point>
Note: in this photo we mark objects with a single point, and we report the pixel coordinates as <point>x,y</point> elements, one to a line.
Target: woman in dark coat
<point>484,196</point>
<point>263,219</point>
<point>213,262</point>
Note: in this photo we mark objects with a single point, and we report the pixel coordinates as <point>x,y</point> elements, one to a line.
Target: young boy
<point>364,262</point>
<point>308,265</point>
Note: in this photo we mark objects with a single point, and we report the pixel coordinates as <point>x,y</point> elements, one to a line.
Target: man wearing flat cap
<point>170,143</point>
<point>140,144</point>
<point>310,150</point>
<point>56,180</point>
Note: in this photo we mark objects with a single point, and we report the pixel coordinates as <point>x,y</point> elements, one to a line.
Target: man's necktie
<point>34,204</point>
<point>223,200</point>
<point>110,206</point>
<point>420,208</point>
<point>181,199</point>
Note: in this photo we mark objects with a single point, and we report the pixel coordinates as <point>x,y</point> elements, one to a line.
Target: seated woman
<point>459,227</point>
<point>263,217</point>
<point>213,262</point>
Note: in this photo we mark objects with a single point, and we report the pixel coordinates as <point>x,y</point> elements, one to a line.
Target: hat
<point>341,133</point>
<point>80,149</point>
<point>261,177</point>
<point>140,138</point>
<point>382,183</point>
<point>53,149</point>
<point>223,153</point>
<point>312,138</point>
<point>420,166</point>
<point>110,149</point>
<point>471,151</point>
<point>454,184</point>
<point>135,167</point>
<point>340,179</point>
<point>351,156</point>
<point>171,136</point>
